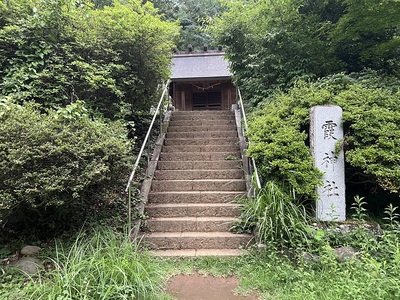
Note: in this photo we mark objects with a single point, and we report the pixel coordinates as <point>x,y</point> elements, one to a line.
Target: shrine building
<point>201,81</point>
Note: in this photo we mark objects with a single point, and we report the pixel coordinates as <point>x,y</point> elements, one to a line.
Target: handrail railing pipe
<point>255,171</point>
<point>135,166</point>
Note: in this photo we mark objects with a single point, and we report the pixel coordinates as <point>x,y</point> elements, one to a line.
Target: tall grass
<point>274,215</point>
<point>105,266</point>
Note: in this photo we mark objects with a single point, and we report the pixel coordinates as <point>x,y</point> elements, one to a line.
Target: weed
<point>11,282</point>
<point>231,157</point>
<point>274,215</point>
<point>392,216</point>
<point>359,209</point>
<point>105,266</point>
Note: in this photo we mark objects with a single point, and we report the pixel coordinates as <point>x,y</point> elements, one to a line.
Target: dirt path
<point>199,287</point>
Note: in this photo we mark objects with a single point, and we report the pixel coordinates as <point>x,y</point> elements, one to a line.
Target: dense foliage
<point>59,51</point>
<point>372,119</point>
<point>273,43</point>
<point>288,56</point>
<point>57,168</point>
<point>57,59</point>
<point>193,17</point>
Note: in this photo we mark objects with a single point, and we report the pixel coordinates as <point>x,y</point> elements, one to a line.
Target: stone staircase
<point>191,204</point>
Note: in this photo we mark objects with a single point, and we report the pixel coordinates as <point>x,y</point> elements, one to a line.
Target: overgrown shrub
<point>279,133</point>
<point>58,166</point>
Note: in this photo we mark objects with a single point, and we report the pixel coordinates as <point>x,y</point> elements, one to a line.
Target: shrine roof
<point>200,66</point>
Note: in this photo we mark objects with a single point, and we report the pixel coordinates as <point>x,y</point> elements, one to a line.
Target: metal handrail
<point>135,166</point>
<point>253,162</point>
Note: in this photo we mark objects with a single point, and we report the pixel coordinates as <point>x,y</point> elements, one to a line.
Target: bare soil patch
<point>200,287</point>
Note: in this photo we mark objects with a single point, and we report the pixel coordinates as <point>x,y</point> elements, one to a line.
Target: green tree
<point>367,35</point>
<point>193,16</point>
<point>56,52</point>
<point>271,44</point>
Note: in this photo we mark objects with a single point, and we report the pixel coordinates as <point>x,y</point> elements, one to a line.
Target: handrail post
<point>243,113</point>
<point>145,142</point>
<point>130,209</point>
<point>161,109</point>
<point>128,188</point>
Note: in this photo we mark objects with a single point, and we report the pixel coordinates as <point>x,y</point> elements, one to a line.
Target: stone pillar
<point>326,130</point>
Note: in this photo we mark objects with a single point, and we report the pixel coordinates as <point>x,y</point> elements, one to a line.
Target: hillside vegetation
<point>288,56</point>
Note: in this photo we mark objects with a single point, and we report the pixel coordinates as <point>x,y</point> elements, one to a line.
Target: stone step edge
<point>195,219</point>
<point>199,253</point>
<point>203,122</point>
<point>204,138</point>
<point>199,170</point>
<point>195,132</point>
<point>202,148</point>
<point>197,161</point>
<point>171,205</point>
<point>199,192</point>
<point>193,234</point>
<point>203,111</point>
<point>205,126</point>
<point>201,153</point>
<point>196,240</point>
<point>193,114</point>
<point>190,174</point>
<point>199,180</point>
<point>201,141</point>
<point>199,114</point>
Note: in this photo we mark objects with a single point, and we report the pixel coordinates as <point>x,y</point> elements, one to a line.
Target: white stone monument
<point>326,130</point>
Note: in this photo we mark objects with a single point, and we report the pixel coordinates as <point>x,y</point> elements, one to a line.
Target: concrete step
<point>201,148</point>
<point>198,174</point>
<point>195,197</point>
<point>199,165</point>
<point>202,134</point>
<point>199,185</point>
<point>202,112</point>
<point>199,224</point>
<point>191,206</point>
<point>204,118</point>
<point>201,115</point>
<point>209,127</point>
<point>195,240</point>
<point>175,210</point>
<point>222,141</point>
<point>199,253</point>
<point>202,122</point>
<point>199,156</point>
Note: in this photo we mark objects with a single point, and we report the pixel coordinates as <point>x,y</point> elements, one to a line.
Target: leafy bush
<point>56,167</point>
<point>279,139</point>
